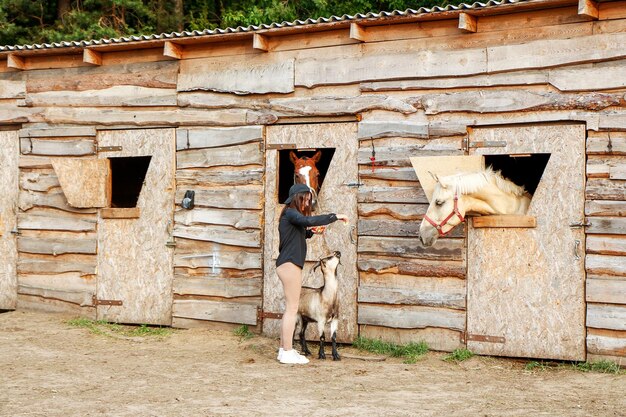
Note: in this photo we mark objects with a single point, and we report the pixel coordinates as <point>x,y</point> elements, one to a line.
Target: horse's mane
<point>471,183</point>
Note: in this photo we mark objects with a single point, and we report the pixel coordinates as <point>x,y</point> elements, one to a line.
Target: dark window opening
<point>286,168</point>
<point>525,170</point>
<point>127,177</point>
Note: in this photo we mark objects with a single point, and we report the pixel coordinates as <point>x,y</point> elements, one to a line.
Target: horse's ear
<point>317,265</point>
<point>316,158</point>
<point>293,157</point>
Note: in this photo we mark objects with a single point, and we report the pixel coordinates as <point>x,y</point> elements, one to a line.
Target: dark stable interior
<point>127,176</point>
<point>522,170</point>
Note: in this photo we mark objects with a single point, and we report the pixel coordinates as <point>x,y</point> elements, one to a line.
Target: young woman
<point>293,228</point>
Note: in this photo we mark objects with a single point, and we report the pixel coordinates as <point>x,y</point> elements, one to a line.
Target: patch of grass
<point>411,351</point>
<point>605,367</point>
<point>243,332</point>
<point>536,365</point>
<point>108,329</point>
<point>459,355</point>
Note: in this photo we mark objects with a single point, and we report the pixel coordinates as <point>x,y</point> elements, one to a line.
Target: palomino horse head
<point>444,213</point>
<point>306,172</point>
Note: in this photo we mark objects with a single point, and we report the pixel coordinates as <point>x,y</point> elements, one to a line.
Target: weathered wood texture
<point>9,189</point>
<point>135,265</point>
<point>218,242</point>
<point>85,182</point>
<point>527,285</point>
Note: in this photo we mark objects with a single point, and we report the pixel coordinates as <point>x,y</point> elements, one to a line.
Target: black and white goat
<point>321,305</point>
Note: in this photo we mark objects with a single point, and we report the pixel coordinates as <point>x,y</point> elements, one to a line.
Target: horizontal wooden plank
<point>199,254</point>
<point>372,129</point>
<point>54,199</point>
<point>553,52</point>
<point>409,195</point>
<point>415,267</point>
<point>56,220</point>
<point>411,317</point>
<point>604,316</point>
<point>38,180</point>
<point>606,342</point>
<point>396,289</point>
<point>607,291</point>
<point>402,228</point>
<point>445,340</point>
<point>445,249</point>
<point>398,156</point>
<point>609,143</point>
<point>59,264</point>
<point>12,89</point>
<point>607,225</point>
<point>475,81</point>
<point>50,305</point>
<point>120,213</point>
<point>183,323</point>
<point>68,287</point>
<point>160,74</point>
<point>217,137</point>
<point>57,147</point>
<point>239,219</point>
<point>504,221</point>
<point>249,197</point>
<point>219,287</point>
<point>61,132</point>
<point>590,77</point>
<point>82,243</point>
<point>387,173</point>
<point>311,72</point>
<point>513,100</point>
<point>251,153</point>
<point>605,265</point>
<point>119,95</point>
<point>389,211</point>
<point>606,244</point>
<point>605,208</point>
<point>605,189</point>
<point>220,234</point>
<point>28,162</point>
<point>224,311</point>
<point>219,177</point>
<point>254,75</point>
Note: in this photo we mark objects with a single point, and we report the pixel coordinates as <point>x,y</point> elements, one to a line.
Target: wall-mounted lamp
<point>188,200</point>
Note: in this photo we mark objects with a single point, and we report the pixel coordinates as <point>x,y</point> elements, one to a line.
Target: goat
<point>321,305</point>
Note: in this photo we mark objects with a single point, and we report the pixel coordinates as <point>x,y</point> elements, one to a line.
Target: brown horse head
<point>306,172</point>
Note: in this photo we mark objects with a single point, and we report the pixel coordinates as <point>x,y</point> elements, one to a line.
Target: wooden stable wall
<point>415,87</point>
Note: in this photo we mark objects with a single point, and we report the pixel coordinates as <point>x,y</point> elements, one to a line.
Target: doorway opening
<point>286,168</point>
<point>127,178</point>
<point>524,170</point>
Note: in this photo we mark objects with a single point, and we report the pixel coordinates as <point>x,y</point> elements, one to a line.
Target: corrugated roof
<point>253,28</point>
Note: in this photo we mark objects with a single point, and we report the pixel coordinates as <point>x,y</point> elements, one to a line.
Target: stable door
<point>9,154</point>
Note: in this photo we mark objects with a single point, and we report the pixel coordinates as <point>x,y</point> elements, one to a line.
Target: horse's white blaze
<point>305,172</point>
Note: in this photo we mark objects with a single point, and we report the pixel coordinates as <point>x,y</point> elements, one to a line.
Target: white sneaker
<point>280,353</point>
<point>292,357</point>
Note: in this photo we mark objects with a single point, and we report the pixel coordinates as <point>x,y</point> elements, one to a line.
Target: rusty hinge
<point>467,145</point>
<point>97,302</point>
<point>281,146</point>
<point>260,315</point>
<point>466,337</point>
<point>109,148</point>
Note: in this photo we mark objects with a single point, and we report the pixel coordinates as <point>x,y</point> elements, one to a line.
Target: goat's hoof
<point>321,356</point>
<point>336,357</point>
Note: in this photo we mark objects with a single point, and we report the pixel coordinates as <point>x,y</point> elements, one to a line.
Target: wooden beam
<point>120,213</point>
<point>92,57</point>
<point>508,220</point>
<point>358,32</point>
<point>588,8</point>
<point>173,50</point>
<point>16,61</point>
<point>468,23</point>
<point>260,42</point>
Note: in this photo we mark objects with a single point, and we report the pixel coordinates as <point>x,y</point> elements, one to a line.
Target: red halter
<point>439,226</point>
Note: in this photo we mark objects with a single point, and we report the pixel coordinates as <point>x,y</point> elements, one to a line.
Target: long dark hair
<point>299,202</point>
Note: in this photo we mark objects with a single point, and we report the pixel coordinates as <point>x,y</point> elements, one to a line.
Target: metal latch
<point>579,225</point>
<point>353,184</point>
<point>16,232</point>
<point>467,145</point>
<point>467,337</point>
<point>109,148</point>
<point>260,315</point>
<point>98,302</point>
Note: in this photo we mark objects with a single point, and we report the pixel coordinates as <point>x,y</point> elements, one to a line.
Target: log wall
<point>416,88</point>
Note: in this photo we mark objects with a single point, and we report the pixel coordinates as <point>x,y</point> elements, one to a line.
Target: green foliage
<point>243,332</point>
<point>458,355</point>
<point>605,367</point>
<point>411,351</point>
<point>39,21</point>
<point>102,327</point>
<point>536,365</point>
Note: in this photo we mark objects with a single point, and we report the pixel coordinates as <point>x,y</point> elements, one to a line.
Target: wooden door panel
<point>9,144</point>
<point>335,196</point>
<point>526,285</point>
<point>134,263</point>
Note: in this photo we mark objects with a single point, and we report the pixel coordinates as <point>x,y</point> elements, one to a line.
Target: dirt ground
<point>49,368</point>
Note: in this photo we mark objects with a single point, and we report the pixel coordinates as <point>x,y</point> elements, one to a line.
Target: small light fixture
<point>188,200</point>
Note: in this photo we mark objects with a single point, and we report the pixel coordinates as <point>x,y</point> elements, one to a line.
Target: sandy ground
<point>49,368</point>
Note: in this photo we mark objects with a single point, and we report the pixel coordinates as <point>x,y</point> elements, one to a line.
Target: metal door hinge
<point>261,315</point>
<point>109,148</point>
<point>467,145</point>
<point>353,184</point>
<point>98,302</point>
<point>16,232</point>
<point>578,225</point>
<point>467,337</point>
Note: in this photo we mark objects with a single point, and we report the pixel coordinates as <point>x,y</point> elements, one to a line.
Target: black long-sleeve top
<point>293,234</point>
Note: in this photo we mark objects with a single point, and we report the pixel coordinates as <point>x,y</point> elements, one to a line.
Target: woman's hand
<point>318,230</point>
<point>342,217</point>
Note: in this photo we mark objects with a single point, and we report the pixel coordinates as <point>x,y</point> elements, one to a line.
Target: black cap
<point>297,189</point>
